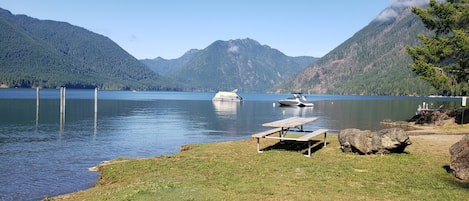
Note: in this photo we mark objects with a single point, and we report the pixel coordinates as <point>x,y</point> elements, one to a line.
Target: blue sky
<point>169,28</point>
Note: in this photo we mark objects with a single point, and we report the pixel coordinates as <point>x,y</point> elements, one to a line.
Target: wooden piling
<point>96,100</point>
<point>37,106</point>
<point>62,107</point>
<point>95,108</point>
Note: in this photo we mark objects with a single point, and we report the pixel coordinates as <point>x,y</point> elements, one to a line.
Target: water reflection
<point>366,114</point>
<point>297,111</point>
<point>226,109</point>
<point>50,160</point>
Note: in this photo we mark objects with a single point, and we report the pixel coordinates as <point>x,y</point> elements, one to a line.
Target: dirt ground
<point>439,131</point>
<point>437,143</point>
<point>439,139</point>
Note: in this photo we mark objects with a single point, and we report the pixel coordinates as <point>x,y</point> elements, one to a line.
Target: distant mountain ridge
<point>242,64</point>
<point>45,53</point>
<point>169,66</point>
<point>50,54</point>
<point>373,61</point>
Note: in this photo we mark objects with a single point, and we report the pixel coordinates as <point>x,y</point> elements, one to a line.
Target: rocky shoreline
<point>433,122</point>
<point>428,129</point>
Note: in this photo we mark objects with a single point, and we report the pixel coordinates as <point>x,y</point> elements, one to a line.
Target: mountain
<point>50,54</point>
<point>168,66</point>
<point>242,64</point>
<point>374,61</point>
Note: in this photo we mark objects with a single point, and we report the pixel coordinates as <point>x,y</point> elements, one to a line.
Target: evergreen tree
<point>443,60</point>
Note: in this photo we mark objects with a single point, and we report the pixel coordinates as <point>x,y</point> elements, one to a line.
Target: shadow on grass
<point>455,181</point>
<point>448,169</point>
<point>295,146</point>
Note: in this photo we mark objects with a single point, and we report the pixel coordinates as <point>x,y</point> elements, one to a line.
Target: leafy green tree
<point>443,60</point>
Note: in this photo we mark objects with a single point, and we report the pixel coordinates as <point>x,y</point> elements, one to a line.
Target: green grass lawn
<point>235,171</point>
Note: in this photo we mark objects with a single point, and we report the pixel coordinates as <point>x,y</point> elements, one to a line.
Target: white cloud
<point>233,49</point>
<point>387,14</point>
<point>392,11</point>
<point>409,3</point>
<point>132,38</point>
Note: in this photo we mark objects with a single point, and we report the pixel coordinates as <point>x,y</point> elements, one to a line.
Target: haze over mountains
<point>50,54</point>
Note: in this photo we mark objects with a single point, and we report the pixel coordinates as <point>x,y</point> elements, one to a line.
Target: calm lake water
<point>40,157</point>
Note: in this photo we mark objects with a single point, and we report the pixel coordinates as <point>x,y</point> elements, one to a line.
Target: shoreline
<point>441,137</point>
<point>448,128</point>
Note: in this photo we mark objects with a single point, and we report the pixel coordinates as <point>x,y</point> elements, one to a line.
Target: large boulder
<point>459,161</point>
<point>391,140</point>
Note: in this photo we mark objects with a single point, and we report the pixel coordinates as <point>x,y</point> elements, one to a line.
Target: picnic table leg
<point>309,148</point>
<point>282,133</point>
<point>325,143</point>
<point>258,146</point>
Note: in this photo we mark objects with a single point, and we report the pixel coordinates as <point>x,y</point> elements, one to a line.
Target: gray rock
<point>459,161</point>
<point>391,140</point>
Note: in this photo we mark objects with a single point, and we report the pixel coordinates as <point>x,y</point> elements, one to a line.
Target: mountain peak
<point>240,63</point>
<point>49,54</point>
<point>397,8</point>
<point>374,61</point>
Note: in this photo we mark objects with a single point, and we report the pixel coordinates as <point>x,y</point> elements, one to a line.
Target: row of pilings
<point>62,106</point>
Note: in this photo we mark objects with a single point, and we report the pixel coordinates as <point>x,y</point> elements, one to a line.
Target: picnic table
<point>281,127</point>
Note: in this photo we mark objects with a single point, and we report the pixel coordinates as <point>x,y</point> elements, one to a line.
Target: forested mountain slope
<point>44,53</point>
<point>225,65</point>
<point>374,61</point>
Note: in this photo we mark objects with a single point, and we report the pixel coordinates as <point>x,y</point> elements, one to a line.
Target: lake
<point>42,156</point>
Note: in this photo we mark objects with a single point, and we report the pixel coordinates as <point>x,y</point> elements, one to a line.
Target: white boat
<point>297,100</point>
<point>227,96</point>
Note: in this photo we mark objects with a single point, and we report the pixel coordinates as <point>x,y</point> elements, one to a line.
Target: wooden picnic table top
<point>291,122</point>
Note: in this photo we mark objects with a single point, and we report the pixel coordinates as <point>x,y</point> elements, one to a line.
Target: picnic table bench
<point>284,125</point>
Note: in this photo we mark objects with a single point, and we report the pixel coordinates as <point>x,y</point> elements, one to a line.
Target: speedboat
<point>228,96</point>
<point>297,100</point>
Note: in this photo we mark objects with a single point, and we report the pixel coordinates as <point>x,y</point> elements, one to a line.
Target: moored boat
<point>298,100</point>
<point>227,96</point>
